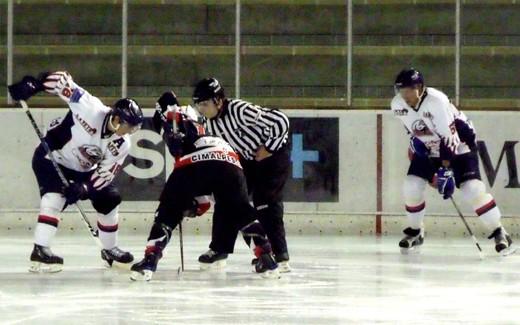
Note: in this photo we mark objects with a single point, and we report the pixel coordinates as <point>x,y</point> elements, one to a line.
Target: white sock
<point>413,192</point>
<point>474,192</point>
<point>48,220</point>
<point>415,215</point>
<point>490,215</point>
<point>107,226</point>
<point>45,230</point>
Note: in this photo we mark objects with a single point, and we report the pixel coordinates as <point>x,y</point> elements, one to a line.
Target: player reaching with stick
<point>205,165</point>
<point>89,145</point>
<point>443,153</point>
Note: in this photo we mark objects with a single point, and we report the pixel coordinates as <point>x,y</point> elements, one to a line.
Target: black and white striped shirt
<point>246,127</point>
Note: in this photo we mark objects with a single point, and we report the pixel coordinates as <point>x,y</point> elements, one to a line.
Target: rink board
<point>346,173</point>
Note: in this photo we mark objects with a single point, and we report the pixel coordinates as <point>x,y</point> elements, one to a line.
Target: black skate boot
<point>117,255</point>
<point>267,267</point>
<point>44,260</point>
<point>412,241</point>
<point>212,260</point>
<point>145,269</point>
<point>281,259</point>
<point>502,241</point>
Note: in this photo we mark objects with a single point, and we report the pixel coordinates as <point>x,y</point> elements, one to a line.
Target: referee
<point>260,137</point>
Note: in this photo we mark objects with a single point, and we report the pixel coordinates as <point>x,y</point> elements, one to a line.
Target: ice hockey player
<point>89,144</point>
<point>204,166</point>
<point>443,153</point>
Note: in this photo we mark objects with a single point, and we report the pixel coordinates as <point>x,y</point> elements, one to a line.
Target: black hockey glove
<point>28,87</point>
<point>197,208</point>
<point>166,99</point>
<point>75,192</point>
<point>174,143</point>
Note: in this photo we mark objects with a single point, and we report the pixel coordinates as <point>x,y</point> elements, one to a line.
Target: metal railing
<point>451,45</point>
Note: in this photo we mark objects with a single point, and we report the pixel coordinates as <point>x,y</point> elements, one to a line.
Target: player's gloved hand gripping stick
<point>167,100</point>
<point>445,182</point>
<point>24,90</point>
<point>63,179</point>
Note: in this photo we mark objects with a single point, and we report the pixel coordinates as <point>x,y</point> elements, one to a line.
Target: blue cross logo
<point>300,156</point>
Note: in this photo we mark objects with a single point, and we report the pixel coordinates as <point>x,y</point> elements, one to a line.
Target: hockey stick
<point>94,233</point>
<point>174,130</point>
<point>63,179</point>
<point>181,242</point>
<point>480,253</point>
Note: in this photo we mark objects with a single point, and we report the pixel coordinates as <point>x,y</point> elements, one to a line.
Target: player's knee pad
<point>51,204</point>
<point>474,193</point>
<point>107,203</point>
<point>413,190</point>
<point>110,218</point>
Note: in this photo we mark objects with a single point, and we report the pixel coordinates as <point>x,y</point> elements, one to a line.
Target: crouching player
<point>89,144</point>
<point>443,153</point>
<point>205,165</point>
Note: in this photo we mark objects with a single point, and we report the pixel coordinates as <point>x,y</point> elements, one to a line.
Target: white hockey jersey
<point>81,141</point>
<point>433,121</point>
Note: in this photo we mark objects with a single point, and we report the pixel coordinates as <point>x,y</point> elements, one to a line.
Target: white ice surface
<point>336,280</point>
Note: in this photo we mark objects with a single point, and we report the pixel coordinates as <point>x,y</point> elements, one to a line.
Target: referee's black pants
<point>265,182</point>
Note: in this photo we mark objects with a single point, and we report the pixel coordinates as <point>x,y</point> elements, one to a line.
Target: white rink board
<point>357,169</point>
<point>494,128</point>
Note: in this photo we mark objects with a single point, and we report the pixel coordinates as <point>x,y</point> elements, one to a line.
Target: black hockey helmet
<point>408,78</point>
<point>208,88</point>
<point>128,111</point>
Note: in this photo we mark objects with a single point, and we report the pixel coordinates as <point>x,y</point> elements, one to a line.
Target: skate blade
<point>118,265</point>
<point>38,267</point>
<point>284,267</point>
<point>218,265</point>
<point>411,251</point>
<point>271,274</point>
<point>146,275</point>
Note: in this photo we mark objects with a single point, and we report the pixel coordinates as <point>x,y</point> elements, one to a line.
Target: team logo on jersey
<point>88,155</point>
<point>420,128</point>
<point>401,112</point>
<point>90,130</point>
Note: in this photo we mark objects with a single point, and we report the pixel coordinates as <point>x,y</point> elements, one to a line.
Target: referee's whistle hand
<point>262,153</point>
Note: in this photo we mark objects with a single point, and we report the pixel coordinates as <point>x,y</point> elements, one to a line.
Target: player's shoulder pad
<point>395,103</point>
<point>120,146</point>
<point>436,99</point>
<point>398,106</point>
<point>128,141</point>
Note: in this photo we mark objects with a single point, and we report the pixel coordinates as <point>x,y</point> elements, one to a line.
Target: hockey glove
<point>161,106</point>
<point>445,182</point>
<point>75,192</point>
<point>28,87</point>
<point>199,206</point>
<point>174,143</point>
<point>418,148</point>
